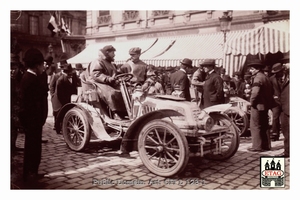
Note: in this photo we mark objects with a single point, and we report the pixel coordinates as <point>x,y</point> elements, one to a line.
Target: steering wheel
<point>124,77</point>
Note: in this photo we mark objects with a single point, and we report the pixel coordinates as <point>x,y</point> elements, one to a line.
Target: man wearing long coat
<point>66,85</point>
<point>32,113</point>
<point>213,93</point>
<point>261,101</point>
<point>103,73</point>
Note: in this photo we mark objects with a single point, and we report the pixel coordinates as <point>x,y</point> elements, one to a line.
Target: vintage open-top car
<point>166,130</point>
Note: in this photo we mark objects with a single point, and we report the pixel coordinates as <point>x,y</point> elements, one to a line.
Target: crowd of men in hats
<point>214,86</point>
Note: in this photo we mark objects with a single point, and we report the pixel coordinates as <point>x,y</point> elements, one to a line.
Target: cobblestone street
<point>101,167</point>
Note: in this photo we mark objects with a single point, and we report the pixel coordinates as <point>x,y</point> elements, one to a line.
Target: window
<point>33,25</point>
<point>104,17</point>
<point>104,12</point>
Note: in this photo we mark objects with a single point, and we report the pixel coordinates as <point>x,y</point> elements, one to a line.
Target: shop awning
<point>196,47</point>
<point>268,38</point>
<point>122,48</point>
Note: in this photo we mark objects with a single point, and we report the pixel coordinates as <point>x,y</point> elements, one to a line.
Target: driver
<point>103,73</point>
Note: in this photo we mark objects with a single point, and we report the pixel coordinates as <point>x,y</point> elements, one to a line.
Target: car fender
<point>92,117</point>
<point>129,140</point>
<point>217,108</point>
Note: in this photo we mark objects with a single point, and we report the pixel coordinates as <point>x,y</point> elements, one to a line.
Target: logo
<point>272,172</point>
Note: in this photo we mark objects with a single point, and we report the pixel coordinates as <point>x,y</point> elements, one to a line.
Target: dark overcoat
<point>32,119</point>
<point>213,93</point>
<point>102,71</point>
<point>276,88</point>
<point>262,93</point>
<point>63,92</point>
<point>180,78</point>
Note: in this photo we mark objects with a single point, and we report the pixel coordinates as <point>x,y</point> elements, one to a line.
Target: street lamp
<point>225,23</point>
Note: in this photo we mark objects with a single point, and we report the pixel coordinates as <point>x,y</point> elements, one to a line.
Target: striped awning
<point>268,38</point>
<point>195,47</point>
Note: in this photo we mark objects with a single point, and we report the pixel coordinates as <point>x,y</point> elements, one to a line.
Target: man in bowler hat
<point>65,86</point>
<point>31,114</point>
<point>261,101</point>
<point>213,93</point>
<point>180,79</point>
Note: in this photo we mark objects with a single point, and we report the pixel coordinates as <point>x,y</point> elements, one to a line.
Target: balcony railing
<point>131,15</point>
<point>104,20</point>
<point>158,13</point>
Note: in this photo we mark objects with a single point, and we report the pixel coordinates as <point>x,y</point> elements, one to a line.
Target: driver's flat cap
<point>135,50</point>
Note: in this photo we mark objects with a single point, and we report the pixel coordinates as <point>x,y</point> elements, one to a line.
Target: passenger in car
<point>135,66</point>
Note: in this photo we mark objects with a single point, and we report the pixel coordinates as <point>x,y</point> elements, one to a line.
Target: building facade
<point>30,29</point>
<point>167,36</point>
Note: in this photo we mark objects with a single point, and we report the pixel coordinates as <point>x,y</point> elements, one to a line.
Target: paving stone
<point>211,186</point>
<point>246,176</point>
<point>123,169</point>
<point>74,175</point>
<point>86,181</point>
<point>111,173</point>
<point>69,186</point>
<point>56,185</point>
<point>231,176</point>
<point>84,186</point>
<point>145,178</point>
<point>221,180</point>
<point>122,186</point>
<point>74,180</point>
<point>239,181</point>
<point>55,180</point>
<point>244,187</point>
<point>253,182</point>
<point>88,175</point>
<point>139,174</point>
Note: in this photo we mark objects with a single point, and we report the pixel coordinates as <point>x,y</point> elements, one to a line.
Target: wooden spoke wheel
<point>163,148</point>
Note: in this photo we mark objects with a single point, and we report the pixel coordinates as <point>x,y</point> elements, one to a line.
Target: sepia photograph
<point>149,99</point>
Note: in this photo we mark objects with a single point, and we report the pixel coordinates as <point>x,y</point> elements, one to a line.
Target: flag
<point>64,27</point>
<point>52,26</point>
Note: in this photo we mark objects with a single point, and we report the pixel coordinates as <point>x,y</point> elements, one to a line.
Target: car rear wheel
<point>239,118</point>
<point>163,148</point>
<point>76,129</point>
